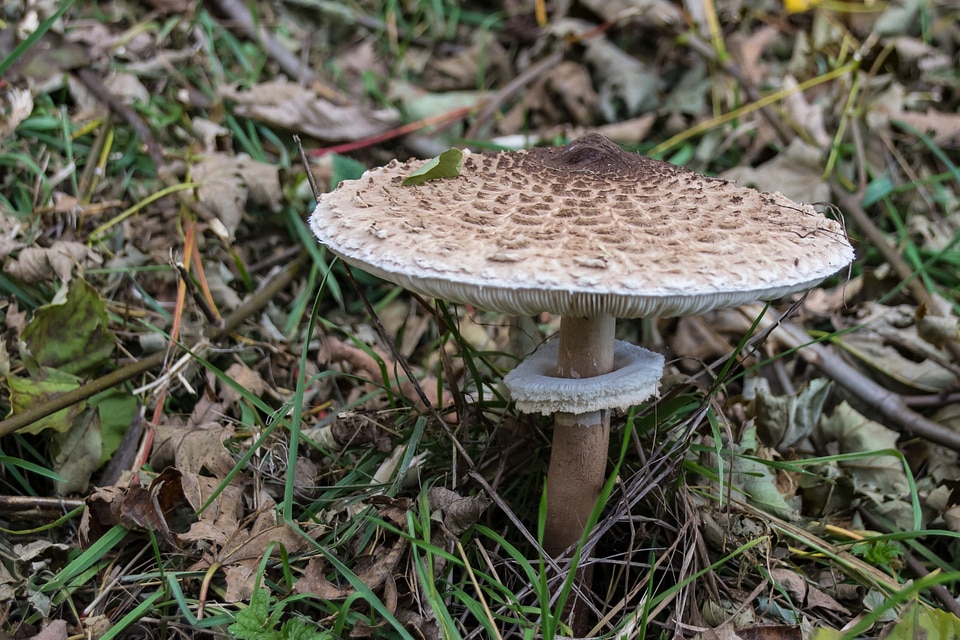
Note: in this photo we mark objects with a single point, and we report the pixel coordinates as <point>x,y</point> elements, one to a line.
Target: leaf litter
<point>147,192</point>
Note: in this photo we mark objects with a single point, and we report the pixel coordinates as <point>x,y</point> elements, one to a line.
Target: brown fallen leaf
<point>15,106</point>
<point>288,105</point>
<point>37,264</point>
<point>457,513</point>
<point>229,183</point>
<point>366,366</point>
<point>194,448</point>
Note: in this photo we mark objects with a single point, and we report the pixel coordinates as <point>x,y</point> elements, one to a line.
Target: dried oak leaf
<point>36,264</point>
<point>15,106</point>
<point>288,105</point>
<point>193,449</point>
<point>228,183</point>
<point>456,512</point>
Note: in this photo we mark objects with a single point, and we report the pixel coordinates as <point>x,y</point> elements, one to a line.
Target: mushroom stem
<point>578,458</point>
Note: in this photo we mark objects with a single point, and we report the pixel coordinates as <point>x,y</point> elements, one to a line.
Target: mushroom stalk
<point>578,458</point>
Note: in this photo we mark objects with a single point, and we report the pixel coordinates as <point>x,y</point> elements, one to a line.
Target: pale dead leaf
<point>565,93</point>
<point>191,449</point>
<point>854,433</point>
<point>945,127</point>
<point>209,133</point>
<point>288,105</point>
<point>228,183</point>
<point>366,366</point>
<point>457,513</point>
<point>790,581</point>
<point>751,48</point>
<point>218,279</point>
<point>240,579</point>
<point>809,116</point>
<point>819,599</point>
<point>128,88</point>
<point>657,13</point>
<point>16,105</point>
<point>796,172</point>
<point>56,630</point>
<point>485,58</point>
<point>246,378</point>
<point>220,520</point>
<point>627,87</point>
<point>952,518</point>
<point>36,264</point>
<point>314,581</point>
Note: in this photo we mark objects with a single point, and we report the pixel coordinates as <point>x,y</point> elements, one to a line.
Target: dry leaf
<point>945,127</point>
<point>456,512</point>
<point>56,630</point>
<point>485,58</point>
<point>366,366</point>
<point>288,105</point>
<point>17,104</point>
<point>244,376</point>
<point>221,519</point>
<point>228,183</point>
<point>36,264</point>
<point>797,173</point>
<point>193,448</point>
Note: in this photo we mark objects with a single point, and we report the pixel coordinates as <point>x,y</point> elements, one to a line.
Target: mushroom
<point>592,233</point>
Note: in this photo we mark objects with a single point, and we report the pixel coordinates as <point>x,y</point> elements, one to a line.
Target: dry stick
<point>237,12</point>
<point>733,70</point>
<point>890,405</point>
<point>850,204</point>
<point>530,74</point>
<point>256,302</point>
<point>115,104</point>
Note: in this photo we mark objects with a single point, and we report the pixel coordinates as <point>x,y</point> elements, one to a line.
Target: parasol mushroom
<point>592,233</point>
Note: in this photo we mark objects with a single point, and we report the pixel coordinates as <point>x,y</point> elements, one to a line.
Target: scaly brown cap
<point>585,230</point>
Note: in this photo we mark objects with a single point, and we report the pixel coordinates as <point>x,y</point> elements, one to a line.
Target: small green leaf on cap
<point>445,165</point>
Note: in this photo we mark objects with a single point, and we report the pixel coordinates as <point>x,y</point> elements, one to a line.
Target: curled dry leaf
<point>289,106</point>
<point>854,433</point>
<point>366,366</point>
<point>457,513</point>
<point>15,106</point>
<point>484,58</point>
<point>229,183</point>
<point>193,448</point>
<point>796,173</point>
<point>36,264</point>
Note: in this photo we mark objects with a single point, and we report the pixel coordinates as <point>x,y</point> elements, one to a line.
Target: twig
<point>850,204</point>
<point>890,405</point>
<point>509,90</point>
<point>240,16</point>
<point>100,90</point>
<point>256,302</point>
<point>733,70</point>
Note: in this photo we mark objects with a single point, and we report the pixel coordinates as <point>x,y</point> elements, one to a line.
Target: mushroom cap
<point>586,229</point>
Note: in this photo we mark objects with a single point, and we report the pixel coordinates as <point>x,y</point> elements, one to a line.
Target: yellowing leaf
<point>72,335</point>
<point>44,384</point>
<point>445,165</point>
